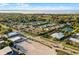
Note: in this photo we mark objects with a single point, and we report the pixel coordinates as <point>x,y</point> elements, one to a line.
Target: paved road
<point>39,39</point>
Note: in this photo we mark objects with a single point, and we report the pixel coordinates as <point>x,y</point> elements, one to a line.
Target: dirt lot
<point>35,48</point>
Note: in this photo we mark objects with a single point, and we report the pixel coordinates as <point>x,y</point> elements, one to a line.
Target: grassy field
<point>59,52</point>
<point>71,46</point>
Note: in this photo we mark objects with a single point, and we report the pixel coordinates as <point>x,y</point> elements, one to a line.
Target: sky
<point>39,6</point>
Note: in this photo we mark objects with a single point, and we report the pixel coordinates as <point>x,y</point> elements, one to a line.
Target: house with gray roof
<point>57,35</point>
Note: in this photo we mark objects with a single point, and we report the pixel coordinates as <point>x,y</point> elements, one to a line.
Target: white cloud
<point>3,4</point>
<point>25,6</point>
<point>22,5</point>
<point>52,8</point>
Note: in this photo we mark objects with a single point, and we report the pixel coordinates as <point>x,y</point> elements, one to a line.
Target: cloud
<point>4,4</point>
<point>52,8</point>
<point>30,7</point>
<point>13,6</point>
<point>25,6</point>
<point>22,5</point>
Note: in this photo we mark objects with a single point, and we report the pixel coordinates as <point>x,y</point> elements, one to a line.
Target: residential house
<point>15,37</point>
<point>58,35</point>
<point>75,38</point>
<point>12,34</point>
<point>21,47</point>
<point>5,50</point>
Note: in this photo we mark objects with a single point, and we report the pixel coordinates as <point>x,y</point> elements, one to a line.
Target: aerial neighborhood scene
<point>39,29</point>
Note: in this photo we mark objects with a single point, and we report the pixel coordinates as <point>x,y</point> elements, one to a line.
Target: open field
<point>35,48</point>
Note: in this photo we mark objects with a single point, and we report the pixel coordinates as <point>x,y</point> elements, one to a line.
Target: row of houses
<point>4,49</point>
<point>37,29</point>
<point>16,38</point>
<point>73,39</point>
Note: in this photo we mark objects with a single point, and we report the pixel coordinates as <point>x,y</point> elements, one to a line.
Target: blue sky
<point>39,6</point>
